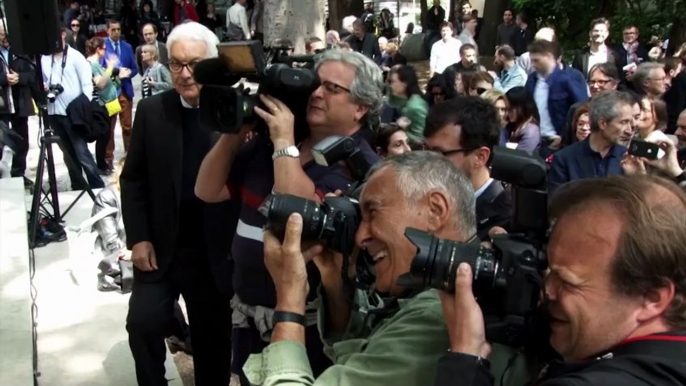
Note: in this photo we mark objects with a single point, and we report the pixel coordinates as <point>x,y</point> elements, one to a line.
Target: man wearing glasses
<point>466,129</point>
<point>348,100</point>
<point>179,244</point>
<point>601,77</point>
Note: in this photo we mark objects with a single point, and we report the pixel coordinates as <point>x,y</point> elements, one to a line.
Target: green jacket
<point>415,109</point>
<point>402,350</point>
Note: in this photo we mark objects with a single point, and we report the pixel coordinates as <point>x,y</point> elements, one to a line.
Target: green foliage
<point>571,18</point>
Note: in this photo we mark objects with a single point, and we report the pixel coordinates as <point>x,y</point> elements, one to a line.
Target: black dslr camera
<point>336,220</point>
<point>54,90</point>
<point>508,278</point>
<point>225,108</point>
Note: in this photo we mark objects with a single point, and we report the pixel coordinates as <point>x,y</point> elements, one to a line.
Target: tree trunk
<point>295,20</point>
<point>677,34</point>
<point>338,9</point>
<point>450,14</point>
<point>492,17</point>
<point>422,16</point>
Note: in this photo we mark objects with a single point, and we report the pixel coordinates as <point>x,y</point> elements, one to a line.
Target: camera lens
<point>282,206</point>
<point>436,262</point>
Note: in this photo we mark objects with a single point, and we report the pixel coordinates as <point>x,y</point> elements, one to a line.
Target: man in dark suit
<point>600,155</point>
<point>17,85</point>
<point>150,35</point>
<point>469,145</point>
<point>597,51</point>
<point>364,42</point>
<point>126,65</point>
<point>180,245</point>
<point>630,51</point>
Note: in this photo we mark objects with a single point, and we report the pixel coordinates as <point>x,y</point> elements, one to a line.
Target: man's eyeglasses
<point>175,66</point>
<point>480,90</point>
<point>333,88</point>
<point>599,82</point>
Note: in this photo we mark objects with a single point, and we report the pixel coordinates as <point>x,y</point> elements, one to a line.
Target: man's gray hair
<point>367,87</point>
<point>643,73</point>
<point>419,172</point>
<point>606,105</point>
<point>196,32</point>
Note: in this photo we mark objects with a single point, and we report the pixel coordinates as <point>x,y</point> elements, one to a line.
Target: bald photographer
<point>346,101</point>
<point>615,290</point>
<point>395,335</point>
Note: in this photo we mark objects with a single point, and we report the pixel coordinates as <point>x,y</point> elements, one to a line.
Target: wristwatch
<point>289,151</point>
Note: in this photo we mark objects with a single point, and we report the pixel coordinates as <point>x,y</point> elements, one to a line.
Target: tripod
<point>42,199</point>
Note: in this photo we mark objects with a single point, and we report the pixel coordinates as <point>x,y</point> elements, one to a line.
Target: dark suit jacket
<point>164,57</point>
<point>493,208</point>
<point>151,192</point>
<point>641,52</point>
<point>580,61</point>
<point>521,39</point>
<point>127,60</point>
<point>575,162</point>
<point>369,47</point>
<point>675,98</point>
<point>22,91</point>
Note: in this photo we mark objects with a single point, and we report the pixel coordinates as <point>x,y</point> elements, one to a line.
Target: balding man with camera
<point>615,291</point>
<point>398,342</point>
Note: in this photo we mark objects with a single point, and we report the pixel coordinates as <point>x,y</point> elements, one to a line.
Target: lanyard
<point>64,63</point>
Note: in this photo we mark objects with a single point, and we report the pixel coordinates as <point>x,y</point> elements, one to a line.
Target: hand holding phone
<point>639,148</point>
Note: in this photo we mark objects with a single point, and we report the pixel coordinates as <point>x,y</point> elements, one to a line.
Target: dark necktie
<point>116,49</point>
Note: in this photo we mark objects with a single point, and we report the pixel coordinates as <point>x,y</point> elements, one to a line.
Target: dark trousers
<point>247,341</point>
<point>151,319</point>
<point>19,125</point>
<point>81,158</point>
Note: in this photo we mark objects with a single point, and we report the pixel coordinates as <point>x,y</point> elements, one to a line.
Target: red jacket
<point>191,14</point>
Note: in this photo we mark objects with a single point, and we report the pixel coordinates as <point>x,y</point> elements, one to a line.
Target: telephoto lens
<point>436,262</point>
<point>282,206</point>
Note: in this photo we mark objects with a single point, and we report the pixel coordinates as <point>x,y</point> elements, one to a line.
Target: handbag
<point>113,107</point>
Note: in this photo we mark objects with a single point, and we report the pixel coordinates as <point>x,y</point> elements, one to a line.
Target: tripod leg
<point>52,181</point>
<point>37,190</point>
<point>81,179</point>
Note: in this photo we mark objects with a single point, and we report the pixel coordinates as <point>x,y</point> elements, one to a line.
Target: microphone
<point>214,71</point>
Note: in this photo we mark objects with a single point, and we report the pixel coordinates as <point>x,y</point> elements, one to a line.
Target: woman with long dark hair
<point>390,139</point>
<point>406,96</point>
<point>523,118</point>
<point>438,90</point>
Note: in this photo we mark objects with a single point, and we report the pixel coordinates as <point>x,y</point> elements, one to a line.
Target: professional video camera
<point>336,219</point>
<point>507,278</point>
<point>225,108</point>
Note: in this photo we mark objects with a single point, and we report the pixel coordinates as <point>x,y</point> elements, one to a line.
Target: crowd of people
<point>190,203</point>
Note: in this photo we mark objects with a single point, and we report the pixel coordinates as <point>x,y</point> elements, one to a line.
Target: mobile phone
<point>629,67</point>
<point>644,149</point>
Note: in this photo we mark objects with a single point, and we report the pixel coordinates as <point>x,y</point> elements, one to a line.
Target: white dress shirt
<point>444,54</point>
<point>76,78</point>
<point>541,93</point>
<point>601,56</point>
<point>238,16</point>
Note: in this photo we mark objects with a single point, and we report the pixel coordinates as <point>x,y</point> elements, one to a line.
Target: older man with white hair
<point>179,244</point>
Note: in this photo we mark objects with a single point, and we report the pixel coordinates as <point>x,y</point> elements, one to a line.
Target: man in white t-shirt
<point>444,52</point>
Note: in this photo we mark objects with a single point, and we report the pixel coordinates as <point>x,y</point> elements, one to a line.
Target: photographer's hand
<point>280,120</point>
<point>669,163</point>
<point>286,265</point>
<point>464,317</point>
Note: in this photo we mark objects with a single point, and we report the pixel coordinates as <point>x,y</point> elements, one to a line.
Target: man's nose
<point>363,236</point>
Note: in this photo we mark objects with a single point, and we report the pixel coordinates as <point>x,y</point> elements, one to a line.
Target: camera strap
<point>64,64</point>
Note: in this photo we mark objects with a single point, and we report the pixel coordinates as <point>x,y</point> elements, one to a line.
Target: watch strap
<point>289,151</point>
<point>286,316</point>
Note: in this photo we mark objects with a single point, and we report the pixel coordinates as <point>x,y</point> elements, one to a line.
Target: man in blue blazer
<point>612,127</point>
<point>558,92</point>
<point>126,65</point>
